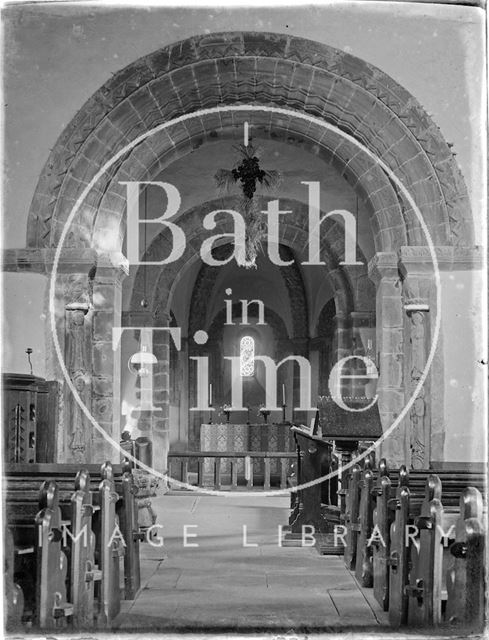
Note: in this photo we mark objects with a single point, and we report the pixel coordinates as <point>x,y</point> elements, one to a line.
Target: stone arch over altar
<point>240,68</point>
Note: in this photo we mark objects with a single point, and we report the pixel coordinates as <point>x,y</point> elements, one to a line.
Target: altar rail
<point>179,467</point>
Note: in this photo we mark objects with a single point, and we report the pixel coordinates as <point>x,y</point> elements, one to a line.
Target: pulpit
<point>322,449</point>
<point>314,460</point>
<point>347,427</point>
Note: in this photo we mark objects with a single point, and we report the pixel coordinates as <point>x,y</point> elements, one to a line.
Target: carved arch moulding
<point>250,68</point>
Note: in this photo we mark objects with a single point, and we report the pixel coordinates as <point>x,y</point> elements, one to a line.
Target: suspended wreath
<point>247,174</point>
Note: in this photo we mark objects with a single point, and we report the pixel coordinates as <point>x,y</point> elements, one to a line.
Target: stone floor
<point>225,586</point>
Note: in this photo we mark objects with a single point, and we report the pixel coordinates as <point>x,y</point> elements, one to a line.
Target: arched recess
<point>325,342</point>
<point>219,369</point>
<point>255,68</point>
<point>160,282</point>
<point>291,275</point>
<point>265,69</point>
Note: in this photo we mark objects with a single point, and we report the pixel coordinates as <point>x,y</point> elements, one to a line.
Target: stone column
<point>143,412</point>
<point>360,320</point>
<point>88,306</point>
<point>316,349</point>
<point>383,271</point>
<point>341,336</point>
<point>183,429</point>
<point>161,380</point>
<point>416,269</point>
<point>299,347</point>
<point>106,368</point>
<point>78,363</point>
<point>341,346</point>
<point>285,377</point>
<point>153,388</point>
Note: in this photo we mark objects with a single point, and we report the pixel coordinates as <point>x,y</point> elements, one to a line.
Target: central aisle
<point>224,585</point>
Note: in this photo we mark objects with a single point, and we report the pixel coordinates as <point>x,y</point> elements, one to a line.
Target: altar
<point>246,437</point>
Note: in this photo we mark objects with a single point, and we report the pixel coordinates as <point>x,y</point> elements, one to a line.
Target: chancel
<point>243,375</point>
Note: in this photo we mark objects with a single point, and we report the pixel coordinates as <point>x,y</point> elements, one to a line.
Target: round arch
<point>255,68</point>
<point>291,276</point>
<point>161,281</point>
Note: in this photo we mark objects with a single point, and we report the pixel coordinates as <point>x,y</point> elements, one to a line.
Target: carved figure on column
<point>77,365</point>
<point>418,410</point>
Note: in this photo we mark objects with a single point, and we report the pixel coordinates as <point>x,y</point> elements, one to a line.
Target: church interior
<point>244,356</point>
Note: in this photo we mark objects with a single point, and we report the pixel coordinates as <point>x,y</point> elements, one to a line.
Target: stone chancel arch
<point>254,68</point>
<point>311,149</point>
<point>240,69</point>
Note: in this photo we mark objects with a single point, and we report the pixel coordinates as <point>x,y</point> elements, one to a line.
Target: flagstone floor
<point>224,585</point>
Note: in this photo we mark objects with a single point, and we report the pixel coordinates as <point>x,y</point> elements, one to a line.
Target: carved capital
<point>112,267</point>
<point>383,265</point>
<point>77,293</point>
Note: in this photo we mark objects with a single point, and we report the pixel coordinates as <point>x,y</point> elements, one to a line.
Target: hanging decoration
<point>247,175</point>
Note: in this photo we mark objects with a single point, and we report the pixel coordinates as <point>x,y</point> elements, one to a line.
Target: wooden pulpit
<point>348,427</point>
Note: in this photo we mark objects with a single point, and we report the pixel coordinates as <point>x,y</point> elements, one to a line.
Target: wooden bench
<point>395,541</point>
<point>84,570</point>
<point>22,485</point>
<point>419,549</point>
<point>40,563</point>
<point>465,577</point>
<point>369,508</point>
<point>79,544</point>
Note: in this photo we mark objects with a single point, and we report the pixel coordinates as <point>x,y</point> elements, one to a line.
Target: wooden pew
<point>428,587</point>
<point>363,560</point>
<point>13,596</point>
<point>354,536</point>
<point>109,549</point>
<point>381,494</point>
<point>476,591</point>
<point>397,560</point>
<point>84,571</point>
<point>465,574</point>
<point>23,481</point>
<point>38,565</point>
<point>418,555</point>
<point>352,508</point>
<point>425,552</point>
<point>52,606</point>
<point>132,536</point>
<point>386,484</point>
<point>84,523</point>
<point>412,512</point>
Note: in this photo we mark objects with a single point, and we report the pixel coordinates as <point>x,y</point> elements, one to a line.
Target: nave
<point>402,549</point>
<point>225,586</point>
<point>238,247</point>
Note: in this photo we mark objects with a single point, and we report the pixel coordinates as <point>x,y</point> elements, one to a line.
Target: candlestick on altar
<point>210,395</point>
<point>248,422</point>
<point>210,413</point>
<point>283,395</point>
<point>283,412</point>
